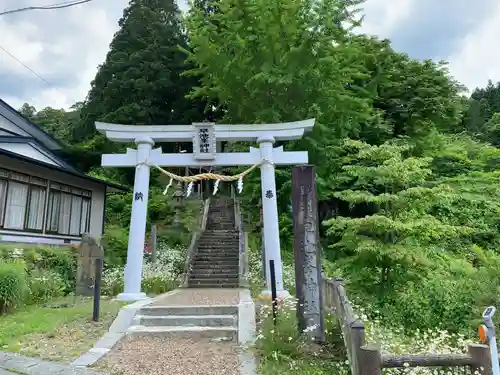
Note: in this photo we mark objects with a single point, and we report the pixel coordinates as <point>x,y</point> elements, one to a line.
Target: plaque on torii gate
<point>204,137</point>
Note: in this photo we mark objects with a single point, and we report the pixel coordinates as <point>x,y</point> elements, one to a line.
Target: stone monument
<point>89,251</point>
<point>307,252</point>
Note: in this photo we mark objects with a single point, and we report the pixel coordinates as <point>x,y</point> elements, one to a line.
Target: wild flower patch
<point>284,350</point>
<point>396,340</point>
<point>157,277</point>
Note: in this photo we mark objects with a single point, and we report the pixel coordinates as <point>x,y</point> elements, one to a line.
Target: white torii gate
<point>204,137</point>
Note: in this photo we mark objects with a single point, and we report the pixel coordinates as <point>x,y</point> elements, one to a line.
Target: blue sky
<point>64,47</point>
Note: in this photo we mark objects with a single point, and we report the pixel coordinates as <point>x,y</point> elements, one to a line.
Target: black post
<point>97,289</point>
<point>274,294</point>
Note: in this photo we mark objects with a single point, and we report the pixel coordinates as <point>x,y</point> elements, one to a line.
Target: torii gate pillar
<point>137,233</point>
<point>270,216</point>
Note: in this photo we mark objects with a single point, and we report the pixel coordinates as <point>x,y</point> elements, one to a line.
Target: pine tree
<point>141,80</point>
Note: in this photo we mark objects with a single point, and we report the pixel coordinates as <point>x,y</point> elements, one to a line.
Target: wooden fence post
<point>357,342</point>
<point>370,360</point>
<point>480,354</point>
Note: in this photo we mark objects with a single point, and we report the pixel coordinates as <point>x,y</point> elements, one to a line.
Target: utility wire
<point>66,4</point>
<point>25,66</point>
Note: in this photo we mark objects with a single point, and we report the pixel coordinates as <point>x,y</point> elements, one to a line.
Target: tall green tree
<point>271,61</point>
<point>414,97</point>
<point>141,80</point>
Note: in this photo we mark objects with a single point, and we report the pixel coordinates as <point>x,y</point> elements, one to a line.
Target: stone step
<point>214,286</point>
<point>189,310</point>
<point>215,254</point>
<point>225,238</point>
<point>194,275</point>
<point>222,231</point>
<point>215,264</point>
<point>223,245</point>
<point>215,258</point>
<point>231,251</point>
<point>212,273</point>
<point>213,281</point>
<point>207,239</point>
<point>218,249</point>
<point>187,321</point>
<point>229,333</point>
<point>215,271</point>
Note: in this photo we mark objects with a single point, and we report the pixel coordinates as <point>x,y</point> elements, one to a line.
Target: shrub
<point>115,243</point>
<point>61,260</point>
<point>13,284</point>
<point>45,285</point>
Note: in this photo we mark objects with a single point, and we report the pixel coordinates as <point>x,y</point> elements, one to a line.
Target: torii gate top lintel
<point>221,132</point>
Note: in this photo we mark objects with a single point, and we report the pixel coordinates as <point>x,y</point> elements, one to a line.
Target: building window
<point>68,211</point>
<point>23,204</point>
<point>22,199</point>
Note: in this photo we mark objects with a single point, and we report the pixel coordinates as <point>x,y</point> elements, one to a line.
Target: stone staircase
<point>215,262</point>
<point>216,322</point>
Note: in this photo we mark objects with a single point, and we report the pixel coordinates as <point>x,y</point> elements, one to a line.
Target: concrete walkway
<point>11,364</point>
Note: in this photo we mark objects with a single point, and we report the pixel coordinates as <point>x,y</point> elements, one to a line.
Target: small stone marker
<point>90,250</point>
<point>307,252</point>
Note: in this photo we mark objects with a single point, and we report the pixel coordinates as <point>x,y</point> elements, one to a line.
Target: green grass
<point>61,331</point>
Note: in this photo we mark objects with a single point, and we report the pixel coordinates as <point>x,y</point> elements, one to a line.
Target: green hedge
<point>33,275</point>
<point>13,284</point>
<point>59,260</point>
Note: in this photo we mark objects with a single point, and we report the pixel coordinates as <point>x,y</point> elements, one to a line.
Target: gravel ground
<point>192,296</point>
<point>172,356</point>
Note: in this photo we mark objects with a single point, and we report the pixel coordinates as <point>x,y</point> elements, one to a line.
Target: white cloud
<point>62,45</point>
<point>478,58</point>
<point>66,46</point>
<point>381,16</point>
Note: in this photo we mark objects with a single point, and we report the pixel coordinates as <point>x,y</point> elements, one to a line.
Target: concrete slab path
<point>11,363</point>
